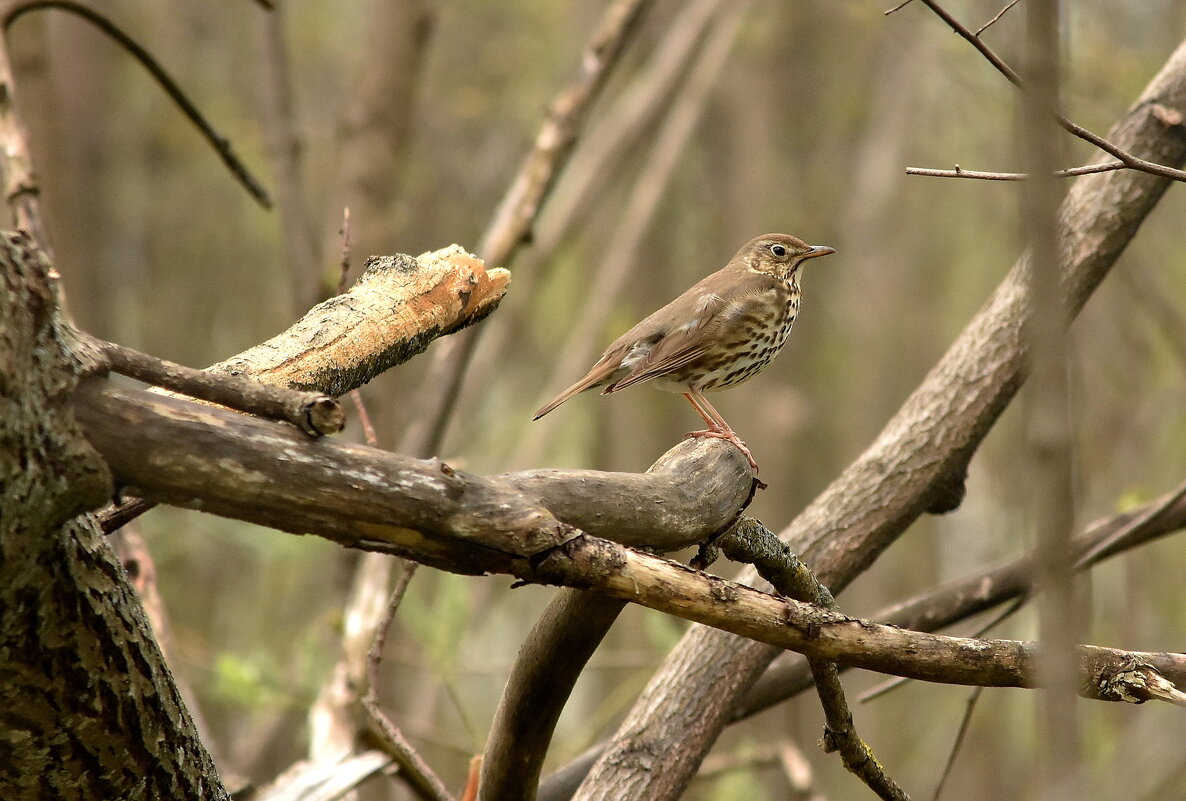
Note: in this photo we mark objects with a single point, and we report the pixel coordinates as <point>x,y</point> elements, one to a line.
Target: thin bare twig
<point>13,11</point>
<point>961,733</point>
<point>1134,162</point>
<point>960,172</point>
<point>368,430</point>
<point>414,770</point>
<point>312,412</point>
<point>1134,530</point>
<point>997,18</point>
<point>975,41</point>
<point>364,419</point>
<point>898,7</point>
<point>372,575</point>
<point>750,542</point>
<point>1131,161</point>
<point>344,261</point>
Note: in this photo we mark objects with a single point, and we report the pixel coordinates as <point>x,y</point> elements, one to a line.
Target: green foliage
<point>247,681</point>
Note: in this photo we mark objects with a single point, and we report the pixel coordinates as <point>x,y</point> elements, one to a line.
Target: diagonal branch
<point>915,465</point>
<point>750,542</point>
<point>512,222</point>
<point>415,770</point>
<point>997,18</point>
<point>553,656</point>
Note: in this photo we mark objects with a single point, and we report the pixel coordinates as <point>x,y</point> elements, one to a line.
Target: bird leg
<point>717,427</point>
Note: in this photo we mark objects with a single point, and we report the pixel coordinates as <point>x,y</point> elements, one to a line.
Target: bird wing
<point>708,306</point>
<point>653,348</point>
<point>681,346</point>
<point>683,349</point>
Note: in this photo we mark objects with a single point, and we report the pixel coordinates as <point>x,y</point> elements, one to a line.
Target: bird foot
<point>729,435</point>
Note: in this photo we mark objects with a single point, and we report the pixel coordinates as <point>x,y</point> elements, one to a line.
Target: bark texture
<point>396,308</point>
<point>90,710</point>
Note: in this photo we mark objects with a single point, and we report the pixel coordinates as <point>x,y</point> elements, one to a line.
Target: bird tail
<point>588,382</point>
<point>600,374</point>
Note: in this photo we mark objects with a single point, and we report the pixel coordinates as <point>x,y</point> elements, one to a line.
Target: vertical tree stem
<point>1049,501</point>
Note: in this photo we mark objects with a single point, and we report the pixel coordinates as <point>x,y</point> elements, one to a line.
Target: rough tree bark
<point>90,710</point>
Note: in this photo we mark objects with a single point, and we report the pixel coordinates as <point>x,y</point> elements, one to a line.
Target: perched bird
<point>722,331</point>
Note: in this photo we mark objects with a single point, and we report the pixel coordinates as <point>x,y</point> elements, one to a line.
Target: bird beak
<point>818,250</point>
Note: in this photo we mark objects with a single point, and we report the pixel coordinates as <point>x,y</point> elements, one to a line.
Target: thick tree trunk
<point>90,709</point>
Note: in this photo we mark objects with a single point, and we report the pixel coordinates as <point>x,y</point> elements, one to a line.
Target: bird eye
<point>778,250</point>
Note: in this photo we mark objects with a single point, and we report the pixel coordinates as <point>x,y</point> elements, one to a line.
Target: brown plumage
<point>722,331</point>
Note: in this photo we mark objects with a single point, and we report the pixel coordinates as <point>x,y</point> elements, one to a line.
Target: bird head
<point>778,254</point>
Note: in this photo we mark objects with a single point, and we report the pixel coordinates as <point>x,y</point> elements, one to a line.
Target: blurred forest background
<point>776,116</point>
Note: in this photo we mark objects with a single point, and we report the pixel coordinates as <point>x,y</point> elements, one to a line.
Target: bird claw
<point>730,436</point>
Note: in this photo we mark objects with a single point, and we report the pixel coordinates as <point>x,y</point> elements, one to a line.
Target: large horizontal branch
<point>605,567</point>
<point>176,451</point>
<point>170,450</point>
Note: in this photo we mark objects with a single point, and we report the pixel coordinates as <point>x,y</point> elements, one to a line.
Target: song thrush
<point>722,331</point>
